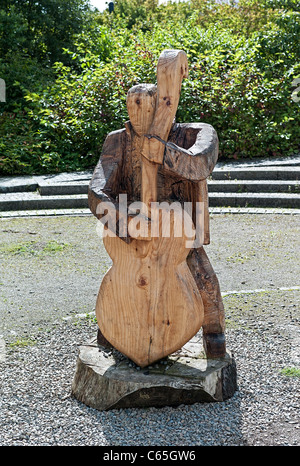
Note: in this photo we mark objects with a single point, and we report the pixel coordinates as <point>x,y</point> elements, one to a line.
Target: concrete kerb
<point>87,212</point>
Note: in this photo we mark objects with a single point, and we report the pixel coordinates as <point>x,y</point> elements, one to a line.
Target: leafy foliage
<point>243,60</point>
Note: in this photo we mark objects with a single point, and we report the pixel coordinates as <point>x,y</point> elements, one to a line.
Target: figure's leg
<point>214,319</point>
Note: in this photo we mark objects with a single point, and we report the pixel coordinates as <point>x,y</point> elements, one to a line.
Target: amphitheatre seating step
<point>231,185</point>
<point>254,186</point>
<point>256,173</point>
<point>282,200</point>
<point>63,188</point>
<point>34,201</point>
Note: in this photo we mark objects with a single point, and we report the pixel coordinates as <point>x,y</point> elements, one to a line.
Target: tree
<point>40,28</point>
<point>33,36</point>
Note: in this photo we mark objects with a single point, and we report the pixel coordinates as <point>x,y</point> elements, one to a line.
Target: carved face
<point>141,102</point>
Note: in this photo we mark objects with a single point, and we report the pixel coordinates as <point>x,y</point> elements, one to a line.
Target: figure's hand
<point>197,162</point>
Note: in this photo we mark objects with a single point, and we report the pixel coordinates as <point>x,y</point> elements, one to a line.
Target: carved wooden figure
<point>159,290</point>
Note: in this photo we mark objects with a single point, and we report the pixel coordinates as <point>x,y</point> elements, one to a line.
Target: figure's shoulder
<point>116,133</point>
<point>114,137</point>
<point>199,135</point>
<point>194,127</point>
<point>113,146</point>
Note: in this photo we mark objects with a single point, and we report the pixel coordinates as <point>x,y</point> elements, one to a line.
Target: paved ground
<point>51,269</point>
<point>52,266</point>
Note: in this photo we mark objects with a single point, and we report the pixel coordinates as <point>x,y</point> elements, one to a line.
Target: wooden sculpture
<point>159,291</point>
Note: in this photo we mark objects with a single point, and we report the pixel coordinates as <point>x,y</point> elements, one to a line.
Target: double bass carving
<point>158,292</point>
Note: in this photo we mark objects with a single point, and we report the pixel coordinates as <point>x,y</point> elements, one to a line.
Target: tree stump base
<point>105,379</point>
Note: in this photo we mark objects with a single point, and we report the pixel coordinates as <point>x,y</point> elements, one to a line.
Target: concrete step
<point>32,183</point>
<point>292,160</point>
<point>34,201</point>
<point>281,200</point>
<point>231,185</point>
<point>47,188</point>
<point>256,173</point>
<point>18,185</point>
<point>254,186</point>
<point>81,187</point>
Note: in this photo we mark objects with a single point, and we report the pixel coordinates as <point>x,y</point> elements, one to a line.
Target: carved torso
<point>119,171</point>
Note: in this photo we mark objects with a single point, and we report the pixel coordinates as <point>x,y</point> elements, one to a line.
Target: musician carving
<point>161,288</point>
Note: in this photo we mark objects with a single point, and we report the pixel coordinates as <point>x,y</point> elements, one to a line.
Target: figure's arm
<point>196,162</point>
<point>104,186</point>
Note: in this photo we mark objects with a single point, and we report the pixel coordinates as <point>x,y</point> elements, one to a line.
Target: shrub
<point>242,63</point>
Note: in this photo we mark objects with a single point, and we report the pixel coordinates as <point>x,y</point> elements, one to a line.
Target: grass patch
<point>290,372</point>
<point>22,343</point>
<point>91,317</point>
<point>54,246</point>
<point>88,318</point>
<point>241,258</point>
<point>26,247</point>
<point>33,248</point>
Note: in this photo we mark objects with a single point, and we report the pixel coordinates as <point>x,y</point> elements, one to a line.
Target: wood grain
<point>149,304</point>
<point>172,67</point>
<point>119,169</point>
<point>191,163</point>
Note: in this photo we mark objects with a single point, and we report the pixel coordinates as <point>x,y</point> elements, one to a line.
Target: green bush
<point>242,63</point>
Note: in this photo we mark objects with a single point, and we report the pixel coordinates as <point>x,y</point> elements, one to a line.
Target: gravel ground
<point>44,287</point>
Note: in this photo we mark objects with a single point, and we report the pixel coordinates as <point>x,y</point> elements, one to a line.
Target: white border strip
<point>261,290</point>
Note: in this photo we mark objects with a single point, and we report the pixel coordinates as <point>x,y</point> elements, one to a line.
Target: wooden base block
<point>105,379</point>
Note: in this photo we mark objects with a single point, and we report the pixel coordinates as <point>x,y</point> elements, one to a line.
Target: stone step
<point>63,188</point>
<point>256,173</point>
<point>230,186</point>
<point>34,201</point>
<point>18,185</point>
<point>32,183</point>
<point>81,187</point>
<point>281,200</point>
<point>292,160</point>
<point>254,186</point>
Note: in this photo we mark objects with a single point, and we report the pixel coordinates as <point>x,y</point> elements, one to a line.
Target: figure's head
<point>141,102</point>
